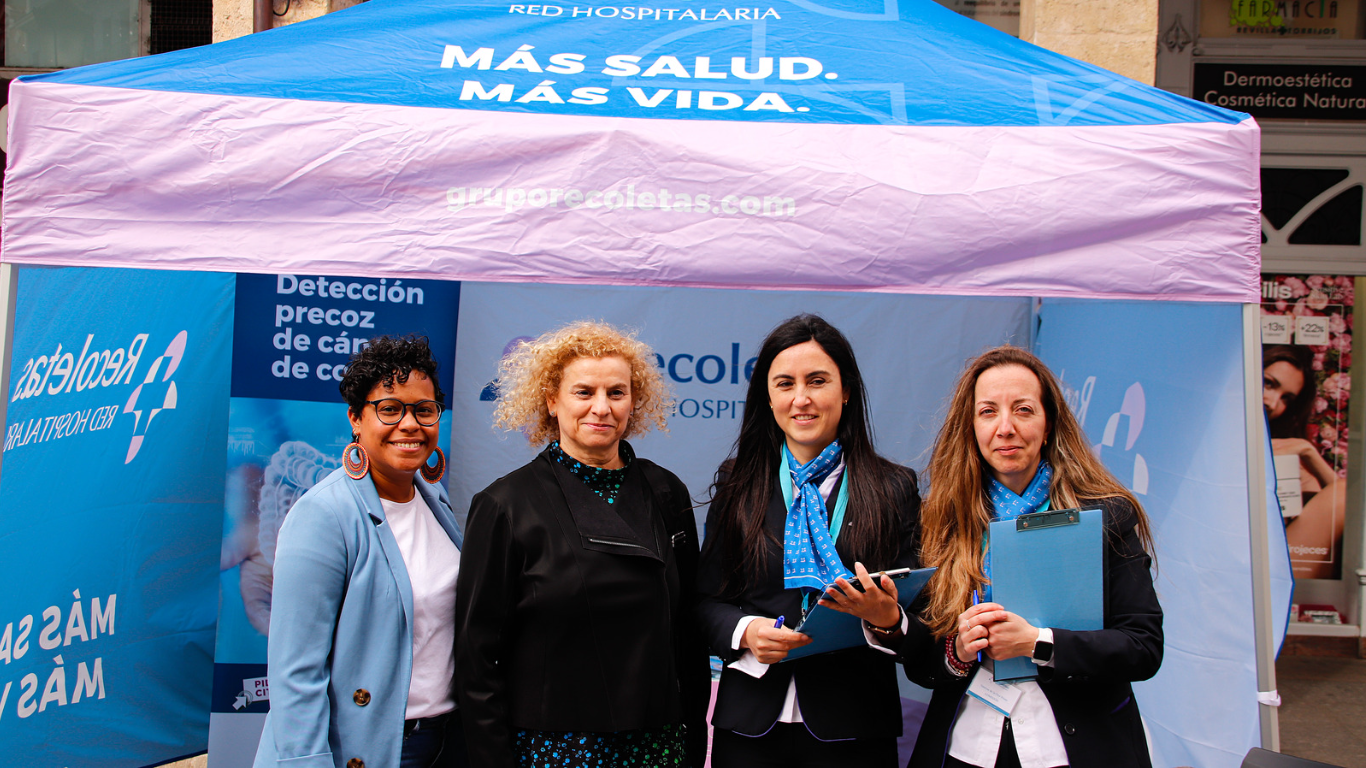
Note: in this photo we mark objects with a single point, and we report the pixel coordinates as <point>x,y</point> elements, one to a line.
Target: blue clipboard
<point>831,630</point>
<point>1047,568</point>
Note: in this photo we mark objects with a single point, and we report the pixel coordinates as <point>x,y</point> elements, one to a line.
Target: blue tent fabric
<point>911,62</point>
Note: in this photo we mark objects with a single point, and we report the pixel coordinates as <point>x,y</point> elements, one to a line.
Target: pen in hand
<point>974,602</point>
<point>779,623</point>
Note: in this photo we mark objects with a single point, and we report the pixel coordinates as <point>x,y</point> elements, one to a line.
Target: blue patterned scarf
<point>809,557</point>
<point>1007,505</point>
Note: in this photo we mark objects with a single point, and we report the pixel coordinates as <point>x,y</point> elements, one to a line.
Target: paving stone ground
<point>1323,709</point>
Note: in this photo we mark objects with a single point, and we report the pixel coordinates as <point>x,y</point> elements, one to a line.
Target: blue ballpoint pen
<point>974,602</point>
<point>779,623</point>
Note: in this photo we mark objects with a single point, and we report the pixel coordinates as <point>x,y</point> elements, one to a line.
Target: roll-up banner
<point>1159,390</point>
<point>109,514</point>
<point>293,337</point>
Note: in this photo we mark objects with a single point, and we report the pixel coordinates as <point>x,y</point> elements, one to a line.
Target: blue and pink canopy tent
<point>891,147</point>
<point>856,146</point>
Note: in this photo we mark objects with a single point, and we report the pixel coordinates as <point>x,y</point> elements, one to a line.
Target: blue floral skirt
<point>642,748</point>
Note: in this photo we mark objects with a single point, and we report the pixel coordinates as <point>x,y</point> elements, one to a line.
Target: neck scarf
<point>809,557</point>
<point>1007,505</point>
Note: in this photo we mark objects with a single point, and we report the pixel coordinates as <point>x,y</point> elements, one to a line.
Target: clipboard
<point>831,630</point>
<point>1047,567</point>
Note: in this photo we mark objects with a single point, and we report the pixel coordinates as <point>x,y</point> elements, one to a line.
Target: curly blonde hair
<point>534,369</point>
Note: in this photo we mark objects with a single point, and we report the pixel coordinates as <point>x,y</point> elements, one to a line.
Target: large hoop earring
<point>432,474</point>
<point>357,466</point>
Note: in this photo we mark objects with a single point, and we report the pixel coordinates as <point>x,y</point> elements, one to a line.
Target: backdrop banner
<point>293,337</point>
<point>910,350</point>
<point>1158,389</point>
<point>109,513</point>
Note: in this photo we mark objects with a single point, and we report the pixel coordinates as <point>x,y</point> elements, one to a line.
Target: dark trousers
<point>791,745</point>
<point>434,742</point>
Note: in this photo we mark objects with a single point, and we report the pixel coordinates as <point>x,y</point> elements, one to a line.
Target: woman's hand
<point>876,604</point>
<point>974,629</point>
<point>1011,637</point>
<point>1310,458</point>
<point>769,643</point>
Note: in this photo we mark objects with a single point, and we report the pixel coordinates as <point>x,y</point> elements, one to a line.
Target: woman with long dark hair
<point>803,502</point>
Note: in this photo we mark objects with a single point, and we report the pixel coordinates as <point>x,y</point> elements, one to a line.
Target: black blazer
<point>574,615</point>
<point>843,695</point>
<point>1089,684</point>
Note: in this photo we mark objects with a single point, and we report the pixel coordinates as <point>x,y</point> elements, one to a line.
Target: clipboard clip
<point>1055,518</point>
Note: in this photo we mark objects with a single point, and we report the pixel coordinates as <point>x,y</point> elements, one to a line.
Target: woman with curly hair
<point>1010,446</point>
<point>361,652</point>
<point>573,607</point>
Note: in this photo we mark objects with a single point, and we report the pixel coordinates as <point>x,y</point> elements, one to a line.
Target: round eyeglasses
<point>390,410</point>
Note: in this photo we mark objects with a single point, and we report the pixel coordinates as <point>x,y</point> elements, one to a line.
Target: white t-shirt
<point>433,561</point>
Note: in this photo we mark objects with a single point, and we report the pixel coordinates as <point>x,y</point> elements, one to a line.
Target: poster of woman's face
<point>1306,372</point>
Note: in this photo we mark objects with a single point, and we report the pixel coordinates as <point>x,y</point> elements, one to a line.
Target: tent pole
<point>8,293</point>
<point>1259,537</point>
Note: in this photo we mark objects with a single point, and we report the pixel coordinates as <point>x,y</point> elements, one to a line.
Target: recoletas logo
<point>100,370</point>
<point>162,392</point>
<point>1134,408</point>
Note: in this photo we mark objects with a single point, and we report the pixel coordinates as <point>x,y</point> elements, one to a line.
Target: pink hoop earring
<point>432,474</point>
<point>358,466</point>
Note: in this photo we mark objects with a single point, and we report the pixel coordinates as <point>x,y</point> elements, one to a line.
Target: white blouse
<point>750,664</point>
<point>976,735</point>
<point>433,561</point>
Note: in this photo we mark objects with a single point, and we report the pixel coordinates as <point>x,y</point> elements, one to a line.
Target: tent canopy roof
<point>850,145</point>
<point>911,62</point>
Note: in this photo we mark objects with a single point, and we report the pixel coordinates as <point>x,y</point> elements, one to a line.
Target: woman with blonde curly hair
<point>1010,446</point>
<point>573,605</point>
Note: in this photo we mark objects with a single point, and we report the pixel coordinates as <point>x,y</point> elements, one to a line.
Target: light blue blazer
<point>341,648</point>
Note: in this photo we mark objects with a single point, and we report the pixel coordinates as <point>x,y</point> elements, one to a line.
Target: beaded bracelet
<point>959,668</point>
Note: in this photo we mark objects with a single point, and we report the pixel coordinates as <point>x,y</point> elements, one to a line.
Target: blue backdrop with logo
<point>110,514</point>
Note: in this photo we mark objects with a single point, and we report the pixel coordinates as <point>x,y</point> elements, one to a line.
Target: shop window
<point>56,34</point>
<point>1314,210</point>
<point>1324,208</point>
<point>1286,190</point>
<point>69,33</point>
<point>1336,222</point>
<point>177,24</point>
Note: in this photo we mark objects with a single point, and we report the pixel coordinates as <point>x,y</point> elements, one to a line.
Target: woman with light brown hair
<point>1010,446</point>
<point>573,609</point>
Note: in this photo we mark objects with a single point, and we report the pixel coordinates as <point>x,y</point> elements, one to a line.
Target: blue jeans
<point>436,747</point>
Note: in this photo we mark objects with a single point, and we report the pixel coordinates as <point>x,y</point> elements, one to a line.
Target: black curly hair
<point>384,360</point>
